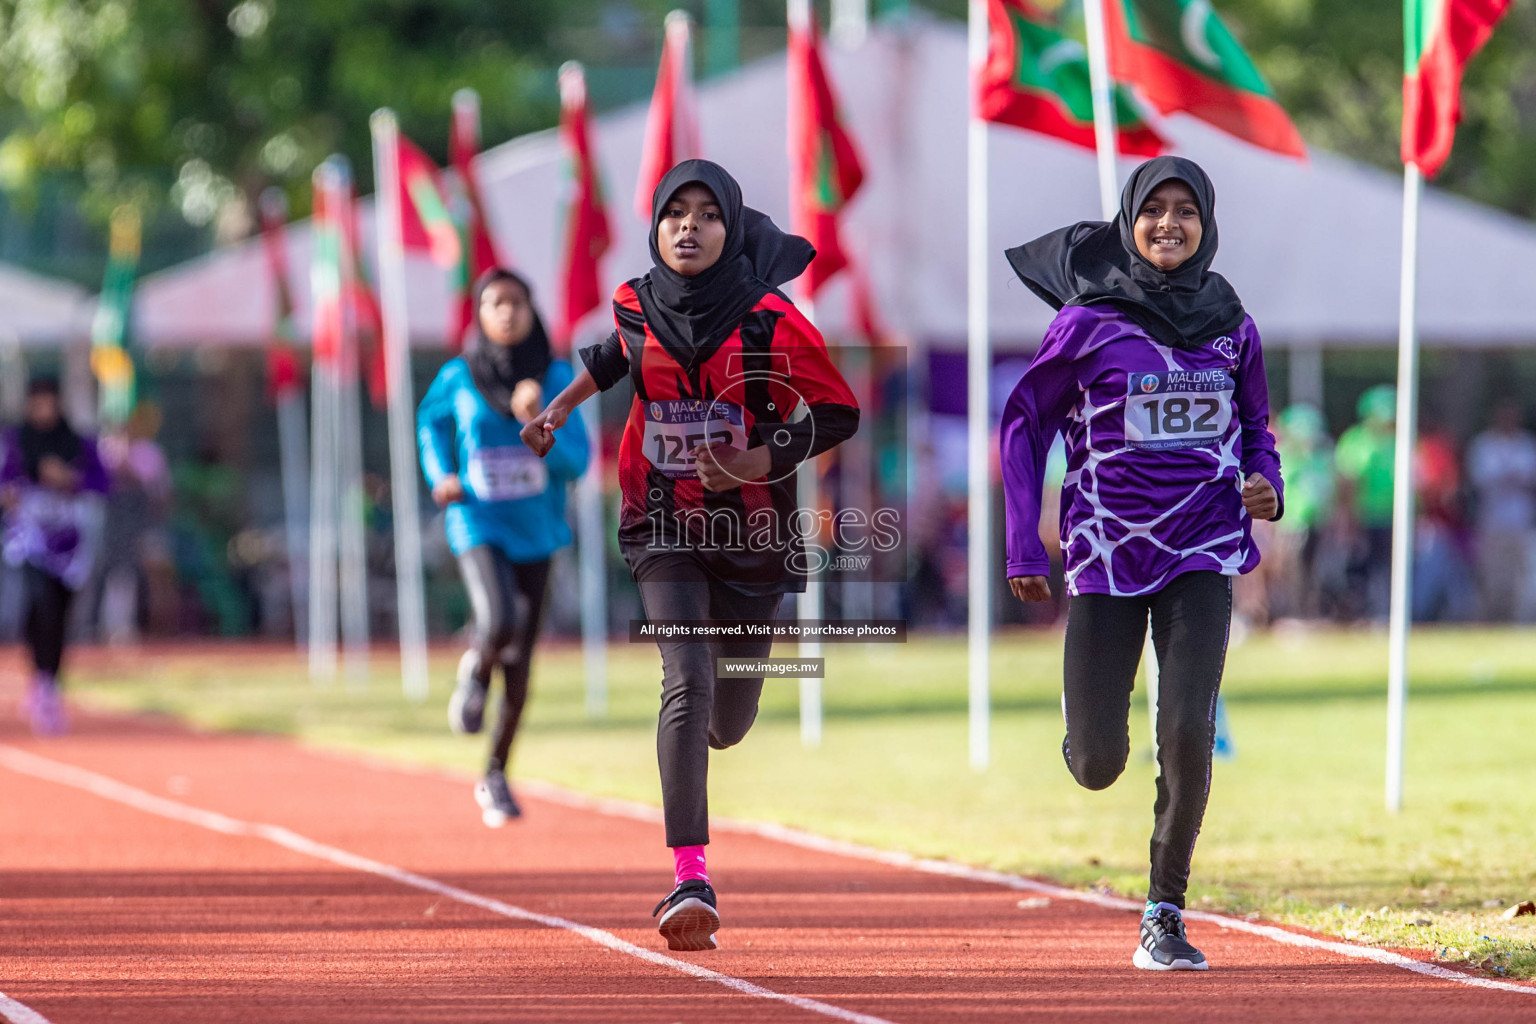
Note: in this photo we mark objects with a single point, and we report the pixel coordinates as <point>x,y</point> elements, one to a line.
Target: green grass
<point>1296,830</point>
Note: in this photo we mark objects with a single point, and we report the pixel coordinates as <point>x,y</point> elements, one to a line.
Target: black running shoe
<point>495,800</point>
<point>1163,945</point>
<point>466,708</point>
<point>691,919</point>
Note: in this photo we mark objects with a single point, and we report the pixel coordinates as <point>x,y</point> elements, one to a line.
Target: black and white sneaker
<point>495,800</point>
<point>691,919</point>
<point>1163,945</point>
<point>466,708</point>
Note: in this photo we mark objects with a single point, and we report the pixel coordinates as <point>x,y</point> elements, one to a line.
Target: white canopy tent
<point>38,311</point>
<point>1312,247</point>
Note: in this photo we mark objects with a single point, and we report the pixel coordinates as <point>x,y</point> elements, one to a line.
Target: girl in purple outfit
<point>1153,374</point>
<point>46,477</point>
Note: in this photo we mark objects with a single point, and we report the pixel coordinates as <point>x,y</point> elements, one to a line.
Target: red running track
<point>375,898</point>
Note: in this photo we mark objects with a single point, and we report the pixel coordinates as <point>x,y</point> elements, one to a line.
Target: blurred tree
<point>205,102</point>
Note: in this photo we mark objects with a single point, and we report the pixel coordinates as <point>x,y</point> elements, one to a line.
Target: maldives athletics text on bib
<point>1167,409</point>
<point>674,427</point>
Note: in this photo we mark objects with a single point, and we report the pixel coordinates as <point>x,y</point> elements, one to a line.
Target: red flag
<point>469,210</point>
<point>824,166</point>
<point>1182,57</point>
<point>363,305</point>
<point>328,266</point>
<point>1442,36</point>
<point>672,127</point>
<point>586,226</point>
<point>282,360</point>
<point>425,222</point>
<point>866,318</point>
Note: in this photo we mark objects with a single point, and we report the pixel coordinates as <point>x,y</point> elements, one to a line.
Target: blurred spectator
<point>135,550</point>
<point>1442,579</point>
<point>50,478</point>
<point>1306,460</point>
<point>1501,466</point>
<point>1363,459</point>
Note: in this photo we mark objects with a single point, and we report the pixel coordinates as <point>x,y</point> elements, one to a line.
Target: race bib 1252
<point>1177,408</point>
<point>674,427</point>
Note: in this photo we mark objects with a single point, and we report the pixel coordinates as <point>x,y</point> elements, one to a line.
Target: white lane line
<point>821,844</point>
<point>19,1013</point>
<point>25,763</point>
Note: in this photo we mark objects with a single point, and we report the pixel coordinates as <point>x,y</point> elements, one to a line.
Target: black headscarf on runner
<point>694,314</point>
<point>60,440</point>
<point>1092,262</point>
<point>497,369</point>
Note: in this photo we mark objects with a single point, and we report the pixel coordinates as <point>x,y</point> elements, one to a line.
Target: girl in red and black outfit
<point>721,363</point>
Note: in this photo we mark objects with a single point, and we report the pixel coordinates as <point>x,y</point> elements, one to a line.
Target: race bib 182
<point>675,427</point>
<point>1177,408</point>
<point>506,474</point>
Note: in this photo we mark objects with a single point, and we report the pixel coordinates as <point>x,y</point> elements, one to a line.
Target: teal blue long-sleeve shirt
<point>513,500</point>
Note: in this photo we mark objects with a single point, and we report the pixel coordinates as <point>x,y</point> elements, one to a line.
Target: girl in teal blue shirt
<point>505,506</point>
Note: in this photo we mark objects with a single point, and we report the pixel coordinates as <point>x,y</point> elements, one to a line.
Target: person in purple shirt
<point>1153,374</point>
<point>46,476</point>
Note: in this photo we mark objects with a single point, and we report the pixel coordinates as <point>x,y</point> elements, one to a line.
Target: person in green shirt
<point>1363,459</point>
<point>1306,452</point>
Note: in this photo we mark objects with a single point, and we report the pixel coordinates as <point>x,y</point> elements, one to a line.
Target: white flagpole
<point>798,13</point>
<point>978,399</point>
<point>811,606</point>
<point>1103,106</point>
<point>1402,489</point>
<point>336,178</point>
<point>411,602</point>
<point>592,536</point>
<point>322,529</point>
<point>293,459</point>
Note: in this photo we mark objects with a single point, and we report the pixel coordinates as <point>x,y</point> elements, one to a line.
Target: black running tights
<point>698,711</point>
<point>48,601</point>
<point>508,600</point>
<point>1105,636</point>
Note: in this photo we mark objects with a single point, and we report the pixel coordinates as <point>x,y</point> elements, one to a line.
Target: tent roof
<point>38,310</point>
<point>1312,248</point>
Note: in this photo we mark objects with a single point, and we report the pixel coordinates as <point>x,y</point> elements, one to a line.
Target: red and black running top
<point>769,382</point>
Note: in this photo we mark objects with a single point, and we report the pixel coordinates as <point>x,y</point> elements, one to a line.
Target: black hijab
<point>1093,262</point>
<point>60,440</point>
<point>497,369</point>
<point>693,315</point>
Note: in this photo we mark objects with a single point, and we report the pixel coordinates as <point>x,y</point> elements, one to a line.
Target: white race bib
<point>506,474</point>
<point>1177,408</point>
<point>675,426</point>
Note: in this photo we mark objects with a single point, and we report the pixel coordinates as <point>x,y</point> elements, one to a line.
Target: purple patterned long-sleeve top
<point>44,528</point>
<point>1159,442</point>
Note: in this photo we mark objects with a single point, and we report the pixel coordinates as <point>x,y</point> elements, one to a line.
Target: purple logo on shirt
<point>1223,345</point>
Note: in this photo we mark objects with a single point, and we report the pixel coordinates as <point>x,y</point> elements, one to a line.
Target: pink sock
<point>689,861</point>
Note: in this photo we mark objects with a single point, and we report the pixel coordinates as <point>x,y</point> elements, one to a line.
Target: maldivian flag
<point>1441,36</point>
<point>362,302</point>
<point>477,249</point>
<point>425,222</point>
<point>282,360</point>
<point>1182,57</point>
<point>672,126</point>
<point>824,166</point>
<point>110,360</point>
<point>586,222</point>
<point>325,270</point>
<point>1036,78</point>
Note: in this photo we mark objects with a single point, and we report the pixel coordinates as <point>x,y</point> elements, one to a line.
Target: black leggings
<point>508,601</point>
<point>1105,637</point>
<point>48,601</point>
<point>698,711</point>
